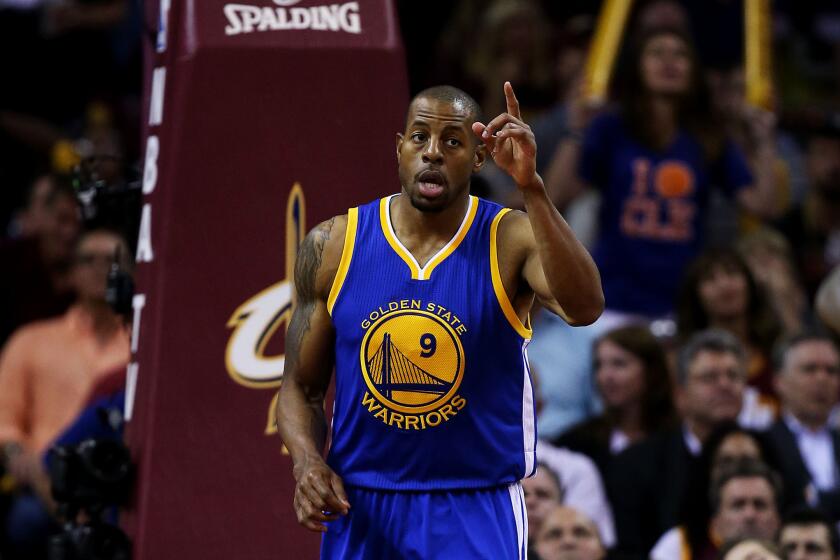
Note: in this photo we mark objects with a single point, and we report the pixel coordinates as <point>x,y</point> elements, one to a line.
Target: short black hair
<point>453,95</point>
<point>746,468</point>
<point>786,344</point>
<point>803,515</point>
<point>710,340</point>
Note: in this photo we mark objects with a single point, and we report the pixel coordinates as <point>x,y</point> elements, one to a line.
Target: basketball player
<point>420,301</point>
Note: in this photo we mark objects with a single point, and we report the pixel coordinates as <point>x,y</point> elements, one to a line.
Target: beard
<point>423,205</point>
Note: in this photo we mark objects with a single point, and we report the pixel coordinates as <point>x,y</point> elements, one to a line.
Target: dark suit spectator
<point>647,484</point>
<point>807,379</point>
<point>808,534</point>
<point>633,381</point>
<point>728,445</point>
<point>745,500</point>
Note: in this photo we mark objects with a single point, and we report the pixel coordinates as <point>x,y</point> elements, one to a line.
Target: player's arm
<point>309,362</point>
<point>555,265</point>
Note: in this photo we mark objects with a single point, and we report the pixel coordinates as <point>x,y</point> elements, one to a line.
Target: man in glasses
<point>47,370</point>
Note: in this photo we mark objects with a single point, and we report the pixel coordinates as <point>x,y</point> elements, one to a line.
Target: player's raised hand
<point>510,142</point>
<point>319,495</point>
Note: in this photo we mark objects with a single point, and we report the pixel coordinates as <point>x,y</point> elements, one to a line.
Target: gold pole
<point>608,33</point>
<point>758,55</point>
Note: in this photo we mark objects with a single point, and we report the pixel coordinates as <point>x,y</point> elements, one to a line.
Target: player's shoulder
<point>320,252</point>
<point>331,233</point>
<point>514,225</point>
<point>328,231</point>
<point>514,237</point>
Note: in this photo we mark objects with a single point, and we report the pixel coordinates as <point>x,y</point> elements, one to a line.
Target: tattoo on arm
<point>306,270</point>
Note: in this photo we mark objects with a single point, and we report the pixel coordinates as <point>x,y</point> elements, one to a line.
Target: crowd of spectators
<point>705,399</point>
<point>69,120</point>
<point>697,418</point>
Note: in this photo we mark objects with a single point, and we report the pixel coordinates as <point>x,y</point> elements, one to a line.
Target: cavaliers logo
<point>264,316</point>
<point>412,362</point>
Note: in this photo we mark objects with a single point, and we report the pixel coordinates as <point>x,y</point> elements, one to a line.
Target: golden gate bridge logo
<point>412,361</point>
<point>392,371</point>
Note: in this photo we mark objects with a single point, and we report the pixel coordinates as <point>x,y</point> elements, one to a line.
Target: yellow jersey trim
<point>424,272</point>
<point>453,244</point>
<point>498,286</point>
<point>346,257</point>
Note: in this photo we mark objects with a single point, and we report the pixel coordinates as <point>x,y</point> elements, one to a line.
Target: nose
<point>750,514</point>
<point>568,542</point>
<point>432,152</point>
<point>798,554</point>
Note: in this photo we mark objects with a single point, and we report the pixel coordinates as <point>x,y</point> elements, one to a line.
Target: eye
<point>419,136</point>
<point>453,142</point>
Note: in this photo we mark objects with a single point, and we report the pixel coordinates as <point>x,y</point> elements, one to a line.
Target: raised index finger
<point>512,102</point>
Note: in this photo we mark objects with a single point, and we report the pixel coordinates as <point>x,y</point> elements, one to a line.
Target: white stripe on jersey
<point>529,429</point>
<point>518,505</point>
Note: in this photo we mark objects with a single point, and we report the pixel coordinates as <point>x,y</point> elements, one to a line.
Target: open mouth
<point>431,183</point>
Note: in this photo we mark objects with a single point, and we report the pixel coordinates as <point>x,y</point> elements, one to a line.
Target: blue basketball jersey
<point>433,389</point>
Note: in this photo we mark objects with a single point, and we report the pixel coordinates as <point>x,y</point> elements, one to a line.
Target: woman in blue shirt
<point>654,157</point>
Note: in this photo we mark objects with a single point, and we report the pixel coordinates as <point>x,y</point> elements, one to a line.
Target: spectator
<point>34,218</point>
<point>813,227</point>
<point>39,287</point>
<point>572,45</point>
<point>808,534</point>
<point>568,534</point>
<point>728,445</point>
<point>654,161</point>
<point>582,487</point>
<point>648,482</point>
<point>750,549</point>
<point>48,368</point>
<point>514,46</point>
<point>719,291</point>
<point>752,129</point>
<point>770,259</point>
<point>634,383</point>
<point>656,14</point>
<point>543,493</point>
<point>827,303</point>
<point>807,367</point>
<point>745,500</point>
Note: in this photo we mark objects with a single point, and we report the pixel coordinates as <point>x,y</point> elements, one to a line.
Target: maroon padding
<point>245,117</point>
<point>110,384</point>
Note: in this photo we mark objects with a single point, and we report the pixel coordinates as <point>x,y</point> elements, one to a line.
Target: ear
<point>400,139</point>
<point>479,157</point>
